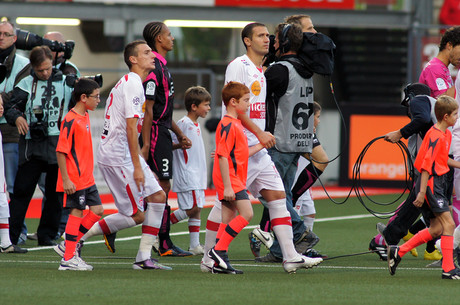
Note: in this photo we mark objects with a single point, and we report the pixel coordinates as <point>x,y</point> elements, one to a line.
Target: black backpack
<point>317,52</point>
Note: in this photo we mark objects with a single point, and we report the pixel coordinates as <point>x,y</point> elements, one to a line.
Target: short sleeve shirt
<point>436,75</point>
<point>75,142</point>
<point>433,154</point>
<point>231,143</point>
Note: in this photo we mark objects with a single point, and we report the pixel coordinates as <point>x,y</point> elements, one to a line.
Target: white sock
<point>177,216</point>
<point>150,229</point>
<point>212,225</point>
<point>110,224</point>
<point>309,221</point>
<point>194,230</point>
<point>4,233</point>
<point>283,231</point>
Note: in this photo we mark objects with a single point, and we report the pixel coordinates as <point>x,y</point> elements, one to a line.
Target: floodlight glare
<point>48,21</point>
<point>206,23</point>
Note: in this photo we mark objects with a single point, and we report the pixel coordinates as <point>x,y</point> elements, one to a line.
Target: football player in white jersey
<point>189,166</point>
<point>263,179</point>
<point>126,173</point>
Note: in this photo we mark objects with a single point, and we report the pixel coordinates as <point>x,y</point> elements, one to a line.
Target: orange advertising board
<point>383,160</point>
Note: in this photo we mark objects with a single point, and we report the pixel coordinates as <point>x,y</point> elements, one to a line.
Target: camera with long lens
<point>39,129</point>
<point>271,55</point>
<point>97,78</point>
<point>27,41</point>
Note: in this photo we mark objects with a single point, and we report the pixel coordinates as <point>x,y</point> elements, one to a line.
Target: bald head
<point>54,36</point>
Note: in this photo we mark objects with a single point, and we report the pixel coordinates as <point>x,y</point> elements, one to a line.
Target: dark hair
<point>248,31</point>
<point>195,96</point>
<point>316,108</point>
<point>131,50</point>
<point>39,54</point>
<point>444,105</point>
<point>84,86</point>
<point>151,32</point>
<point>452,35</point>
<point>296,19</point>
<point>233,90</point>
<point>290,37</point>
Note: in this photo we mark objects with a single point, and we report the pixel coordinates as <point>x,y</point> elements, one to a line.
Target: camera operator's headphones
<point>285,44</point>
<point>412,90</point>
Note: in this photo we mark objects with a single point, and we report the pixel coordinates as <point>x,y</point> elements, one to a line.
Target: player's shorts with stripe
<point>80,199</point>
<point>435,194</point>
<point>161,156</point>
<point>128,199</point>
<point>305,205</point>
<point>262,174</point>
<point>189,199</point>
<point>315,141</point>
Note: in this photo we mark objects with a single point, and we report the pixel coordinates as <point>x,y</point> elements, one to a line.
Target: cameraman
<point>37,105</point>
<point>61,63</point>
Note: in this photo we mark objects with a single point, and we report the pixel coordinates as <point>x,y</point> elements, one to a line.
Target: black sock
<point>305,180</point>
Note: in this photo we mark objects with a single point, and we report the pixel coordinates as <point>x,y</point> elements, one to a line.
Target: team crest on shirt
<point>255,88</point>
<point>150,88</point>
<point>136,101</point>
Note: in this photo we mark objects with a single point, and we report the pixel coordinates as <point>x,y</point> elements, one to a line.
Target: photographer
<point>59,60</point>
<point>37,105</point>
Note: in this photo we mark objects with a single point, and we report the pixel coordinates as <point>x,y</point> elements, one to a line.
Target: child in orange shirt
<point>230,173</point>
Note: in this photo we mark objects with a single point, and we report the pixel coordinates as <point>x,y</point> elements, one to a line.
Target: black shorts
<point>80,199</point>
<point>161,155</point>
<point>436,199</point>
<point>241,195</point>
<point>315,141</point>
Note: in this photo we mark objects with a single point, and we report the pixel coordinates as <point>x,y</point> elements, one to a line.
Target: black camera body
<point>27,41</point>
<point>39,129</point>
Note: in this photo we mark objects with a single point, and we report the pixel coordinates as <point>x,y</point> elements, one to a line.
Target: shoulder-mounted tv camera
<point>27,41</point>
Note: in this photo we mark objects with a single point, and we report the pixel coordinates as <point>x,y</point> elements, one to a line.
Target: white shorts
<point>457,179</point>
<point>262,174</point>
<point>119,179</point>
<point>187,200</point>
<point>4,208</point>
<point>305,205</point>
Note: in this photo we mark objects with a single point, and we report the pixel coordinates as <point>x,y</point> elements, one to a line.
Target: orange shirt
<point>231,143</point>
<point>75,142</point>
<point>434,152</point>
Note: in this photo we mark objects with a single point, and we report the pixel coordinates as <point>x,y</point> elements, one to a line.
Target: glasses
<point>6,34</point>
<point>98,97</point>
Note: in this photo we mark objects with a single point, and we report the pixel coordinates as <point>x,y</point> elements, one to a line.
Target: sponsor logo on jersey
<point>441,84</point>
<point>136,101</point>
<point>255,88</point>
<point>257,111</point>
<point>150,88</point>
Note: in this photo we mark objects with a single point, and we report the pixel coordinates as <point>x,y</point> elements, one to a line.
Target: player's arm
<point>453,163</point>
<point>68,185</point>
<point>133,144</point>
<point>147,128</point>
<point>255,149</point>
<point>181,137</point>
<point>450,92</point>
<point>423,184</point>
<point>229,195</point>
<point>266,138</point>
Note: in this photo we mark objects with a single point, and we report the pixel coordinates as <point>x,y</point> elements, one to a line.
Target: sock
<point>447,246</point>
<point>265,224</point>
<point>71,236</point>
<point>231,230</point>
<point>194,230</point>
<point>420,238</point>
<point>212,225</point>
<point>177,216</point>
<point>379,240</point>
<point>309,221</point>
<point>150,230</point>
<point>282,227</point>
<point>86,223</point>
<point>220,231</point>
<point>417,226</point>
<point>5,240</point>
<point>456,210</point>
<point>305,180</point>
<point>110,224</point>
<point>165,239</point>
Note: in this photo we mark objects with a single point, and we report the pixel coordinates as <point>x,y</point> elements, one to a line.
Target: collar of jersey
<point>160,58</point>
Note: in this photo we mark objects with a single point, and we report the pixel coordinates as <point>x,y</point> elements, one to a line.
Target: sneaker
<point>150,263</point>
<point>22,239</point>
<point>393,259</point>
<point>60,248</point>
<point>432,256</point>
<point>265,237</point>
<point>307,241</point>
<point>436,264</point>
<point>269,258</point>
<point>302,261</point>
<point>453,274</point>
<point>381,250</point>
<point>221,262</point>
<point>312,253</point>
<point>109,240</point>
<point>13,249</point>
<point>174,251</point>
<point>414,251</point>
<point>254,244</point>
<point>75,263</point>
<point>198,250</point>
<point>380,228</point>
<point>206,267</point>
<point>32,236</point>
